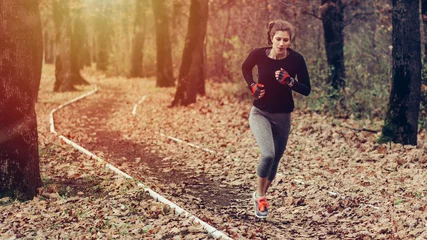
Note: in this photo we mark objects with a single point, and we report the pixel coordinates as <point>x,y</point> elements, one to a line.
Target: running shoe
<point>261,206</point>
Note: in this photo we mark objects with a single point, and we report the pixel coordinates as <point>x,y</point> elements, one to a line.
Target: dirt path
<point>217,187</point>
<point>192,189</point>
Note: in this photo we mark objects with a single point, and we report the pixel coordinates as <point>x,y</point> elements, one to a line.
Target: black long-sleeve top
<point>277,98</point>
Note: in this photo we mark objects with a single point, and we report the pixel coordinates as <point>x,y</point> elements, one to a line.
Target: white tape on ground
<point>189,144</point>
<point>136,105</point>
<point>210,230</point>
<point>52,128</point>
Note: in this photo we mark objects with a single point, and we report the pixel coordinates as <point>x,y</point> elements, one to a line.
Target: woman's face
<point>281,41</point>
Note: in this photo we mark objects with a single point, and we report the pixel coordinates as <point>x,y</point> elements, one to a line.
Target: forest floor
<point>333,182</point>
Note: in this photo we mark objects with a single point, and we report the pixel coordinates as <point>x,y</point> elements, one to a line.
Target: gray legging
<point>271,131</point>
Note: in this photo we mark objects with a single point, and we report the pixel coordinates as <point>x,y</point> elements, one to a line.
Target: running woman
<point>281,70</point>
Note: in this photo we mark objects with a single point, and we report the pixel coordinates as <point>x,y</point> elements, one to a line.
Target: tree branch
<point>222,6</point>
<point>311,14</point>
<point>357,16</point>
<point>362,129</point>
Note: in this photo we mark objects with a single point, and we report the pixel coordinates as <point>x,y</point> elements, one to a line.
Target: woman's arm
<point>247,67</point>
<point>303,84</point>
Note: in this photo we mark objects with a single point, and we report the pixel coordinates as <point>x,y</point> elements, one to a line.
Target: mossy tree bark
<point>21,55</point>
<point>163,45</point>
<point>191,73</point>
<point>401,121</point>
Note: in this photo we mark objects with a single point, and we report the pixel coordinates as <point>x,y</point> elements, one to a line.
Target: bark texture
<point>78,45</point>
<point>103,32</point>
<point>191,73</point>
<point>63,73</point>
<point>139,39</point>
<point>332,12</point>
<point>21,55</point>
<point>401,122</point>
<point>163,45</point>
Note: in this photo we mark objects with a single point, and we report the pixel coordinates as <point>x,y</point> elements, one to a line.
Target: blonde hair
<point>279,25</point>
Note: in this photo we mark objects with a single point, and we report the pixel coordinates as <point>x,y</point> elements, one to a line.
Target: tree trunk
<point>191,73</point>
<point>63,73</point>
<point>139,39</point>
<point>401,121</point>
<point>84,57</point>
<point>48,47</point>
<point>164,53</point>
<point>424,18</point>
<point>78,33</point>
<point>52,49</point>
<point>103,26</point>
<point>21,56</point>
<point>332,13</point>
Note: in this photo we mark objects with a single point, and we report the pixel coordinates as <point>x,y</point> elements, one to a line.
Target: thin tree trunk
<point>52,48</point>
<point>164,53</point>
<point>84,58</point>
<point>21,56</point>
<point>78,33</point>
<point>191,73</point>
<point>401,121</point>
<point>103,36</point>
<point>139,39</point>
<point>63,74</point>
<point>48,49</point>
<point>221,68</point>
<point>333,25</point>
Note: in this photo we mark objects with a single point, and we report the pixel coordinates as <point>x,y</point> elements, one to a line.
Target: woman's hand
<point>257,90</point>
<point>283,77</point>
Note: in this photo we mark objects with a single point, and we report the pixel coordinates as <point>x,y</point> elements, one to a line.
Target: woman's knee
<point>268,157</point>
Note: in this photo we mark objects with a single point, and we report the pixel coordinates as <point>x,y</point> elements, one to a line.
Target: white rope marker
<point>189,144</point>
<point>210,230</point>
<point>136,105</point>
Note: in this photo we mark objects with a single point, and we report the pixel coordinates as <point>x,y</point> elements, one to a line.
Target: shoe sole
<point>260,217</point>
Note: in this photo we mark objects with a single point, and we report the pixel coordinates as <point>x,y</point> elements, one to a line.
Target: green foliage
<point>422,119</point>
<point>232,60</point>
<point>367,63</point>
<point>368,77</point>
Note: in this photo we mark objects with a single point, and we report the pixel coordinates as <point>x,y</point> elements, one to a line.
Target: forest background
<point>107,32</point>
<point>195,48</point>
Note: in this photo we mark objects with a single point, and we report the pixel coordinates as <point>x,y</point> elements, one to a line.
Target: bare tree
<point>21,55</point>
<point>103,35</point>
<point>139,39</point>
<point>332,12</point>
<point>401,121</point>
<point>63,74</point>
<point>191,73</point>
<point>164,53</point>
<point>48,32</point>
<point>78,46</point>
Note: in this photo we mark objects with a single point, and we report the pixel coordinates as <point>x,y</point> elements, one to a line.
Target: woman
<point>270,116</point>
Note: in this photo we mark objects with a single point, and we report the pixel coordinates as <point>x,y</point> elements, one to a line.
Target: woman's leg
<point>280,135</point>
<point>261,128</point>
<point>262,186</point>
